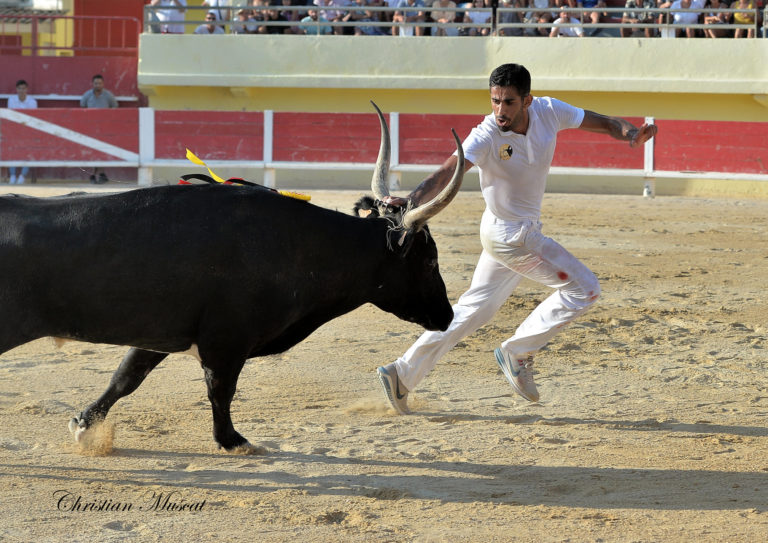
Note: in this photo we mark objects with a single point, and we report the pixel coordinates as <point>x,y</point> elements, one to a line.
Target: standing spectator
<point>565,18</point>
<point>20,101</point>
<point>636,14</point>
<point>171,17</point>
<point>210,26</point>
<point>98,97</point>
<point>716,17</point>
<point>443,18</point>
<point>744,18</point>
<point>407,14</point>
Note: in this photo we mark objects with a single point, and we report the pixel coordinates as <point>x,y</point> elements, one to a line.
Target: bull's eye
<point>433,264</point>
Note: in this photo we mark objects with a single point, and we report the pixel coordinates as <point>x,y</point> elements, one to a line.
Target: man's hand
<point>646,132</point>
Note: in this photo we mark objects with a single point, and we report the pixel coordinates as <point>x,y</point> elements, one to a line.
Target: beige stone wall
<point>665,78</point>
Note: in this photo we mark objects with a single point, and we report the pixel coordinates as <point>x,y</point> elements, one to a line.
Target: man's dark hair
<point>97,76</point>
<point>512,75</point>
<point>21,82</point>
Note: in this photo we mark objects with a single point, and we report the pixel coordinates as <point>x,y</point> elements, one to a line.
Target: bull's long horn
<point>417,217</point>
<point>380,182</point>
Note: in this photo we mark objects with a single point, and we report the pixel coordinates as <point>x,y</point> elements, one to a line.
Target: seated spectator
<point>404,14</point>
<point>244,22</point>
<point>592,15</point>
<point>386,16</point>
<point>681,15</point>
<point>272,15</point>
<point>478,17</point>
<point>335,15</point>
<point>443,18</point>
<point>744,18</point>
<point>291,15</point>
<point>258,16</point>
<point>567,31</point>
<point>314,24</point>
<point>364,16</point>
<point>220,7</point>
<point>171,19</point>
<point>636,14</point>
<point>716,17</point>
<point>510,17</point>
<point>541,13</point>
<point>20,101</point>
<point>98,97</point>
<point>210,26</point>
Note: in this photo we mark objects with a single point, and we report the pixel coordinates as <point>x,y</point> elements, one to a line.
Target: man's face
<point>21,91</point>
<point>509,108</point>
<point>98,85</point>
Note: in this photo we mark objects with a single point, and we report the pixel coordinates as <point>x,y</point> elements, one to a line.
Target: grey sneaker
<point>394,390</point>
<point>519,373</point>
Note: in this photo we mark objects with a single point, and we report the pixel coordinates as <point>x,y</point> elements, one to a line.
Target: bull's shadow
<point>460,482</point>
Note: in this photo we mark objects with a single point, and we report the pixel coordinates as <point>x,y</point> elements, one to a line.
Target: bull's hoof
<point>94,440</point>
<point>76,429</point>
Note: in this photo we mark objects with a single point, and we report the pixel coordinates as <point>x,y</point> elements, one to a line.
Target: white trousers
<point>511,251</point>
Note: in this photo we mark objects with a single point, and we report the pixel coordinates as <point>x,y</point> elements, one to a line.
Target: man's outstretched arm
<point>618,128</point>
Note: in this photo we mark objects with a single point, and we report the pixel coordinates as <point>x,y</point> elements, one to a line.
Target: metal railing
<point>369,17</point>
<point>66,35</point>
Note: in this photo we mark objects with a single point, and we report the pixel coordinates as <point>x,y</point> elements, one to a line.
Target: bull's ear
<point>400,240</point>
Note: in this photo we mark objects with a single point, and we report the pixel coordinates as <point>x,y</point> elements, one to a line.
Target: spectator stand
<point>609,27</point>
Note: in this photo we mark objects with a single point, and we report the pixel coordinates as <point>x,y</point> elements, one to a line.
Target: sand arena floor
<point>651,427</point>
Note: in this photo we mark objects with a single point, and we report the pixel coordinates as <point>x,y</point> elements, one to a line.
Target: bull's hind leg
<point>221,380</point>
<point>135,366</point>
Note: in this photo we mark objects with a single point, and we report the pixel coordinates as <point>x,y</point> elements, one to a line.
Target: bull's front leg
<point>132,371</point>
<point>221,380</point>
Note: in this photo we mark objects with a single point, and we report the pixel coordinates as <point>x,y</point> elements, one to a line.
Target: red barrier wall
<point>424,139</point>
<point>117,127</point>
<point>211,135</point>
<point>323,137</point>
<point>712,146</point>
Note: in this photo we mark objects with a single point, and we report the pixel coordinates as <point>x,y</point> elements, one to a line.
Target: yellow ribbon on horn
<point>192,158</point>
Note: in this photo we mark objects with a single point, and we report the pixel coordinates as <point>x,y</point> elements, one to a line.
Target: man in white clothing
<point>172,18</point>
<point>513,149</point>
<point>210,26</point>
<point>21,101</point>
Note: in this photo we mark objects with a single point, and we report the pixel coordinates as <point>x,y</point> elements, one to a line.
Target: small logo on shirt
<point>505,152</point>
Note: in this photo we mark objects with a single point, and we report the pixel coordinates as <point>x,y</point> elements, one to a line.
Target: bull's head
<point>416,218</point>
<point>417,293</point>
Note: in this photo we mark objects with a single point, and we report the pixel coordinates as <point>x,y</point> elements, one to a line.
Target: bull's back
<point>152,263</point>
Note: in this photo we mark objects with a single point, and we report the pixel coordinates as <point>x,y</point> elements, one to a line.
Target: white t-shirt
<point>569,31</point>
<point>203,29</point>
<point>514,167</point>
<point>171,16</point>
<point>15,103</point>
<point>683,17</point>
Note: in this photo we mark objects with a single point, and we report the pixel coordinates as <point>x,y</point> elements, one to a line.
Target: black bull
<point>226,273</point>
